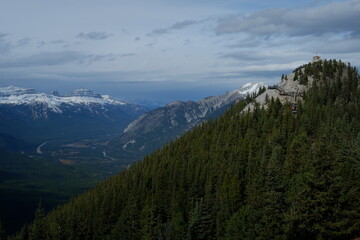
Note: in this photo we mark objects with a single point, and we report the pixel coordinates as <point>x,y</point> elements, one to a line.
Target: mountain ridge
<point>161,125</point>
<point>35,117</point>
<point>27,96</point>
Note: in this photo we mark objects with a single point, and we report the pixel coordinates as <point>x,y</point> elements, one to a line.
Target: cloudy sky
<point>162,50</point>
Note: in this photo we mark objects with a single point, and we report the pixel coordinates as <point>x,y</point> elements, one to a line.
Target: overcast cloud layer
<point>160,51</point>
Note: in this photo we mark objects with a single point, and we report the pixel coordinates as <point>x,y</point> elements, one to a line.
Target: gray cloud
<point>246,43</point>
<point>22,42</point>
<point>128,55</point>
<point>267,60</point>
<point>183,24</point>
<point>57,42</point>
<point>245,56</point>
<point>187,42</point>
<point>230,76</point>
<point>5,45</point>
<point>355,34</point>
<point>344,46</point>
<point>54,58</point>
<point>338,17</point>
<point>158,31</point>
<point>94,35</point>
<point>150,45</point>
<point>176,26</point>
<point>124,31</point>
<point>315,3</point>
<point>61,43</point>
<point>40,44</point>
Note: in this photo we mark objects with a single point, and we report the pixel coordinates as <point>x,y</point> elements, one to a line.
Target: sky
<point>158,51</point>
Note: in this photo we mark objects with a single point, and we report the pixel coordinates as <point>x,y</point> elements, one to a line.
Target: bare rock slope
<point>290,88</point>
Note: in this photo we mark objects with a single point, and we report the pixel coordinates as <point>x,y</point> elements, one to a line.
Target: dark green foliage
<point>296,75</point>
<point>37,229</point>
<point>266,174</point>
<point>303,79</point>
<point>25,180</point>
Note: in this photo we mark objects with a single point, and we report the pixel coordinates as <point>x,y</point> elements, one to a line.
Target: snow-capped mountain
<point>154,128</point>
<point>54,102</point>
<point>28,114</point>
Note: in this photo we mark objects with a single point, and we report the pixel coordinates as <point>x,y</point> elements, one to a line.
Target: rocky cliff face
<point>290,88</point>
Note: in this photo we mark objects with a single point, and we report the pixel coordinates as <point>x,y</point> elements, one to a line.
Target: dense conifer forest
<point>269,173</point>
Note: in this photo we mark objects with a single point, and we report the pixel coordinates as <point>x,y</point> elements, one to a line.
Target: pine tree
<point>38,229</point>
<point>272,197</point>
<point>128,225</point>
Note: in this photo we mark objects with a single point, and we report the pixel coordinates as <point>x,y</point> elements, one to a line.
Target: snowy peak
<point>19,96</point>
<point>216,102</point>
<point>26,103</point>
<point>15,91</point>
<point>251,88</point>
<point>40,105</point>
<point>83,93</point>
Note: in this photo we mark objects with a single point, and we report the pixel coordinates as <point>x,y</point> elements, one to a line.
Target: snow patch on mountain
<point>129,142</point>
<point>250,88</point>
<point>12,90</point>
<point>216,102</point>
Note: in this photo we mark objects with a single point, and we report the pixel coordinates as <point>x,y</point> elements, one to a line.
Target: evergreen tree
<point>128,225</point>
<point>38,230</point>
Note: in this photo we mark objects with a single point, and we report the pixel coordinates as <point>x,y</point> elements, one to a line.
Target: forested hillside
<point>24,181</point>
<point>263,174</point>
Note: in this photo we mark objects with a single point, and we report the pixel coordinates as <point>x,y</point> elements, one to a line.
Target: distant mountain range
<point>161,125</point>
<point>28,118</point>
<point>34,117</point>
